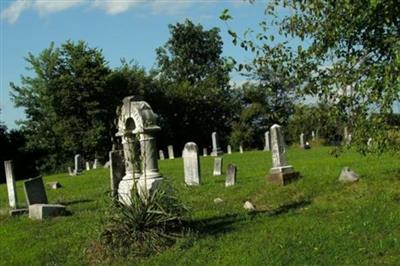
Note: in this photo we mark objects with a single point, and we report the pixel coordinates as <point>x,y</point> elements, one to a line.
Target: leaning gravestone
<point>217,166</point>
<point>34,191</point>
<point>117,170</point>
<point>267,146</point>
<point>205,152</point>
<point>281,173</point>
<point>78,164</point>
<point>191,164</point>
<point>161,154</point>
<point>229,149</point>
<point>171,152</point>
<point>216,150</point>
<point>11,187</point>
<point>230,175</point>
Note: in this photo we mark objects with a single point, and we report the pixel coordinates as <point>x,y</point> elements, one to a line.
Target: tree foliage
<point>195,79</point>
<point>350,56</point>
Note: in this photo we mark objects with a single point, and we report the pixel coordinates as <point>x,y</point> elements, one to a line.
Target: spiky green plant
<point>146,225</point>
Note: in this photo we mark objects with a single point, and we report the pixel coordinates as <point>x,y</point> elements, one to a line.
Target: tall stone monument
<point>281,172</point>
<point>171,152</point>
<point>267,146</point>
<point>191,164</point>
<point>137,128</point>
<point>216,150</point>
<point>11,187</point>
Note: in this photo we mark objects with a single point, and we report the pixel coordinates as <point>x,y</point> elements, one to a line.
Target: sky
<point>128,29</point>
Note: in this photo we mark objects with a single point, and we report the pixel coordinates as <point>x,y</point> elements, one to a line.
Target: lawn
<point>314,220</point>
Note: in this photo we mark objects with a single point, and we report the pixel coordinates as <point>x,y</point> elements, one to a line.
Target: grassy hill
<point>315,220</point>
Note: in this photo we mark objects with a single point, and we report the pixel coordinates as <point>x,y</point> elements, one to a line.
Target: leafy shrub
<point>146,226</point>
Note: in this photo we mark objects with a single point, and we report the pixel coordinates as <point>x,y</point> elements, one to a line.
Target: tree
<point>352,58</point>
<point>65,104</point>
<point>194,77</point>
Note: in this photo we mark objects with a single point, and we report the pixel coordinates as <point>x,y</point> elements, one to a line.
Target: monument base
<point>282,175</point>
<point>216,153</point>
<point>42,211</point>
<point>16,212</point>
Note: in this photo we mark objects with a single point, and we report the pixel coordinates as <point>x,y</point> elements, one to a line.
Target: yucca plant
<point>147,225</point>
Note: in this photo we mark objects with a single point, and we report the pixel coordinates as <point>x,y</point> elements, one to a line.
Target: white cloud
<point>14,11</point>
<point>113,7</point>
<point>43,7</point>
<point>170,7</point>
<point>51,6</point>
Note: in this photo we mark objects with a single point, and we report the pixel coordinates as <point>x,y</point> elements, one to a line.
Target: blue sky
<point>121,28</point>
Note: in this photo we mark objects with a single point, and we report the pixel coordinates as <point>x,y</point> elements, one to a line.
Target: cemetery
<point>286,152</point>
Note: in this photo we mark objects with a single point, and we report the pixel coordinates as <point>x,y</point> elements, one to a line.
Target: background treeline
<point>70,100</point>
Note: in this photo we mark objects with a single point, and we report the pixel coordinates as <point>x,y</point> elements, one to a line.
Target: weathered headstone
<point>217,166</point>
<point>229,149</point>
<point>70,172</point>
<point>161,154</point>
<point>205,152</point>
<point>171,152</point>
<point>281,173</point>
<point>267,146</point>
<point>191,164</point>
<point>11,187</point>
<point>216,150</point>
<point>35,191</point>
<point>117,170</point>
<point>313,135</point>
<point>87,166</point>
<point>349,138</point>
<point>96,164</point>
<point>241,149</point>
<point>302,140</point>
<point>78,164</point>
<point>230,175</point>
<point>249,206</point>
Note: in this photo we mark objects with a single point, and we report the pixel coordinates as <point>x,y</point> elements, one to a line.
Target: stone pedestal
<point>282,175</point>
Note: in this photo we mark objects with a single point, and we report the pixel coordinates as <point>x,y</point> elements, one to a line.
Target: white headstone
<point>217,166</point>
<point>205,152</point>
<point>171,152</point>
<point>96,164</point>
<point>313,135</point>
<point>267,146</point>
<point>230,175</point>
<point>87,166</point>
<point>240,149</point>
<point>229,149</point>
<point>11,187</point>
<point>78,166</point>
<point>191,164</point>
<point>161,154</point>
<point>216,150</point>
<point>302,140</point>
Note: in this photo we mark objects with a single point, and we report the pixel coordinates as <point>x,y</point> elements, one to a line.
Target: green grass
<point>315,220</point>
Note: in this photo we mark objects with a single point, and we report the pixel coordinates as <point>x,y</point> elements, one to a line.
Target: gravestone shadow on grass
<point>223,224</point>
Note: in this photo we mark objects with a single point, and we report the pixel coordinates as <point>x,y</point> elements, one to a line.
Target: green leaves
<point>225,16</point>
